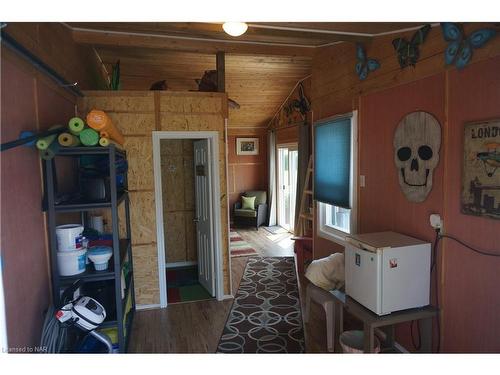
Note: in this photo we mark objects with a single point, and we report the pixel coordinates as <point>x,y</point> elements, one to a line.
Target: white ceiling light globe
<point>235,28</point>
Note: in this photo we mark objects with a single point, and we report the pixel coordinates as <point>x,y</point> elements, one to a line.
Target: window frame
<point>329,232</point>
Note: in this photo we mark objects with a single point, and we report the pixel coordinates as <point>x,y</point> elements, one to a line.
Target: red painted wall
<point>287,135</point>
<point>28,102</point>
<point>470,296</point>
<point>246,172</point>
<point>468,290</point>
<point>382,205</point>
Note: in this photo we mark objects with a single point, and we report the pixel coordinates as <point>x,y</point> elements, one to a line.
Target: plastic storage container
<point>71,263</point>
<point>69,237</point>
<point>352,342</point>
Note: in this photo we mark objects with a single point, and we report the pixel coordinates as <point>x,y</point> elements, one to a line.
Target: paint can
<point>69,237</point>
<point>71,263</point>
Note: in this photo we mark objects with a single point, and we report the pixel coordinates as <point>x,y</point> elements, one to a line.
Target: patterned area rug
<point>265,316</point>
<point>238,246</point>
<point>276,229</point>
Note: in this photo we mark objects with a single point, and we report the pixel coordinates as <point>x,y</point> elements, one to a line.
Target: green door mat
<point>183,285</point>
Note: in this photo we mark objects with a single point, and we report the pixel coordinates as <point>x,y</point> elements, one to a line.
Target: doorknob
<point>196,220</point>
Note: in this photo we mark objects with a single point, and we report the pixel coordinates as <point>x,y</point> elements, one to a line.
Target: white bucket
<point>71,262</point>
<point>69,237</point>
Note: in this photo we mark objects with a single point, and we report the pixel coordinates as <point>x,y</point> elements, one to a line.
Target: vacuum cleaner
<point>83,313</point>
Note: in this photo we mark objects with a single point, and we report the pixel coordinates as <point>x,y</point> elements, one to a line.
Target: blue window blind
<point>332,162</point>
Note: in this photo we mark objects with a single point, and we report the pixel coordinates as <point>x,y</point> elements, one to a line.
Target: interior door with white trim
<point>203,217</point>
<point>287,185</point>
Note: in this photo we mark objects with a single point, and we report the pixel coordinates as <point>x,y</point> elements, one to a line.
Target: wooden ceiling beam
<point>259,33</point>
<point>139,40</point>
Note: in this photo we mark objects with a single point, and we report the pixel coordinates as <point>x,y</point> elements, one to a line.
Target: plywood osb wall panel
<point>137,114</point>
<point>177,166</point>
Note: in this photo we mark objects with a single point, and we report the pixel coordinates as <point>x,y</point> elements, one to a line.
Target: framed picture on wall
<point>481,170</point>
<point>247,146</point>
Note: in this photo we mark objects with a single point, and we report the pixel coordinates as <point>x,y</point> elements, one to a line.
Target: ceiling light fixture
<point>235,28</point>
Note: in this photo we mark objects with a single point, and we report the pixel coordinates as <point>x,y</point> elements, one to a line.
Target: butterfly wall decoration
<point>460,47</point>
<point>409,51</point>
<point>364,64</point>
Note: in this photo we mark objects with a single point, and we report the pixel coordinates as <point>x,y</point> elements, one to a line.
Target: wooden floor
<point>266,243</point>
<point>195,327</point>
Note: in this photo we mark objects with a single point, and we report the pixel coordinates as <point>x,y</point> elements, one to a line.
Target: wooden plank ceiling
<point>258,83</point>
<point>262,66</point>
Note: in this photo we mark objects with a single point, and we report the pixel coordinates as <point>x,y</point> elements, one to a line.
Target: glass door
<point>287,185</point>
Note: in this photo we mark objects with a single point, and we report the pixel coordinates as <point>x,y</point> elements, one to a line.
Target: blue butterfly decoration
<point>459,50</point>
<point>364,64</point>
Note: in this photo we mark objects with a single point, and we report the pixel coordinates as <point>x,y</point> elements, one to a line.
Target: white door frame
<point>289,145</point>
<point>213,139</point>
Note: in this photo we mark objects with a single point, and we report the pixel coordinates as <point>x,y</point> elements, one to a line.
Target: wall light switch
<point>361,181</point>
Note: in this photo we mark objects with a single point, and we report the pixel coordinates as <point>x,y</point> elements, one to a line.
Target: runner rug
<point>266,315</point>
<point>238,246</point>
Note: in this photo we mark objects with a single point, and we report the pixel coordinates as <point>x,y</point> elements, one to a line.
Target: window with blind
<point>335,147</point>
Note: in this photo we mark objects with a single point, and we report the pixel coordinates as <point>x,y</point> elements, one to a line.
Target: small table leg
<point>368,338</point>
<point>339,325</point>
<point>426,329</point>
<point>390,335</point>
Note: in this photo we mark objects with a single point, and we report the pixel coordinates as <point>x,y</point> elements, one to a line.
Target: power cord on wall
<point>435,248</point>
<point>482,252</point>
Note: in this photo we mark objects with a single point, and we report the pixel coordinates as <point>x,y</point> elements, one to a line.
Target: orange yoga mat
<point>100,121</point>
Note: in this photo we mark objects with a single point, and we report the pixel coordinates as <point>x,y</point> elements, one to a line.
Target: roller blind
<point>332,162</point>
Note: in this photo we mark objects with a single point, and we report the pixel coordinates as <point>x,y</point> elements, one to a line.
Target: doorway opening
<point>188,223</point>
<point>288,156</point>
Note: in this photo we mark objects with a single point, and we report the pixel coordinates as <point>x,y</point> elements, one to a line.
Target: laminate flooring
<point>195,327</point>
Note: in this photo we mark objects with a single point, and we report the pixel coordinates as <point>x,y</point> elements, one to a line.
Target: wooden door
<point>203,217</point>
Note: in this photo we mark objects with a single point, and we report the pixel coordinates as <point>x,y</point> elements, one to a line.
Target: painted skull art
<point>417,141</point>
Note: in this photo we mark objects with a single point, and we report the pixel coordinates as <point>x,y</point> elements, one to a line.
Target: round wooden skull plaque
<point>417,141</point>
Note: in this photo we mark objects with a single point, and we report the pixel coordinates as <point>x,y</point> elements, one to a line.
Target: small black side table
<point>371,321</point>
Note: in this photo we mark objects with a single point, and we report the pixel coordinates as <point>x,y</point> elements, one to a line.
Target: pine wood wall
<point>177,175</point>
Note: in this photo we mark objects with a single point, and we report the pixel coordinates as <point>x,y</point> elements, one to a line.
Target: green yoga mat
<point>89,137</point>
<point>50,151</point>
<point>45,142</point>
<point>76,125</point>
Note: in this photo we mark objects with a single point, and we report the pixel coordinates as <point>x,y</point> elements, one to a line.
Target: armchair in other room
<point>252,217</point>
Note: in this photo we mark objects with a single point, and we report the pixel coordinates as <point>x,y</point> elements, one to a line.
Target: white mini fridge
<point>387,271</point>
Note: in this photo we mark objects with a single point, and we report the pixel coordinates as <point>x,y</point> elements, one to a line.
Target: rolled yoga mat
<point>76,125</point>
<point>104,142</point>
<point>45,142</point>
<point>89,137</point>
<point>104,134</point>
<point>100,121</point>
<point>68,140</point>
<point>26,134</point>
<point>50,151</point>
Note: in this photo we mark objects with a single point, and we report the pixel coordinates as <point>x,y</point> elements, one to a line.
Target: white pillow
<point>327,273</point>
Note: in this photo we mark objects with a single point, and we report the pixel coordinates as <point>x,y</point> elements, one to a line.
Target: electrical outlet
<point>361,181</point>
<point>436,221</point>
